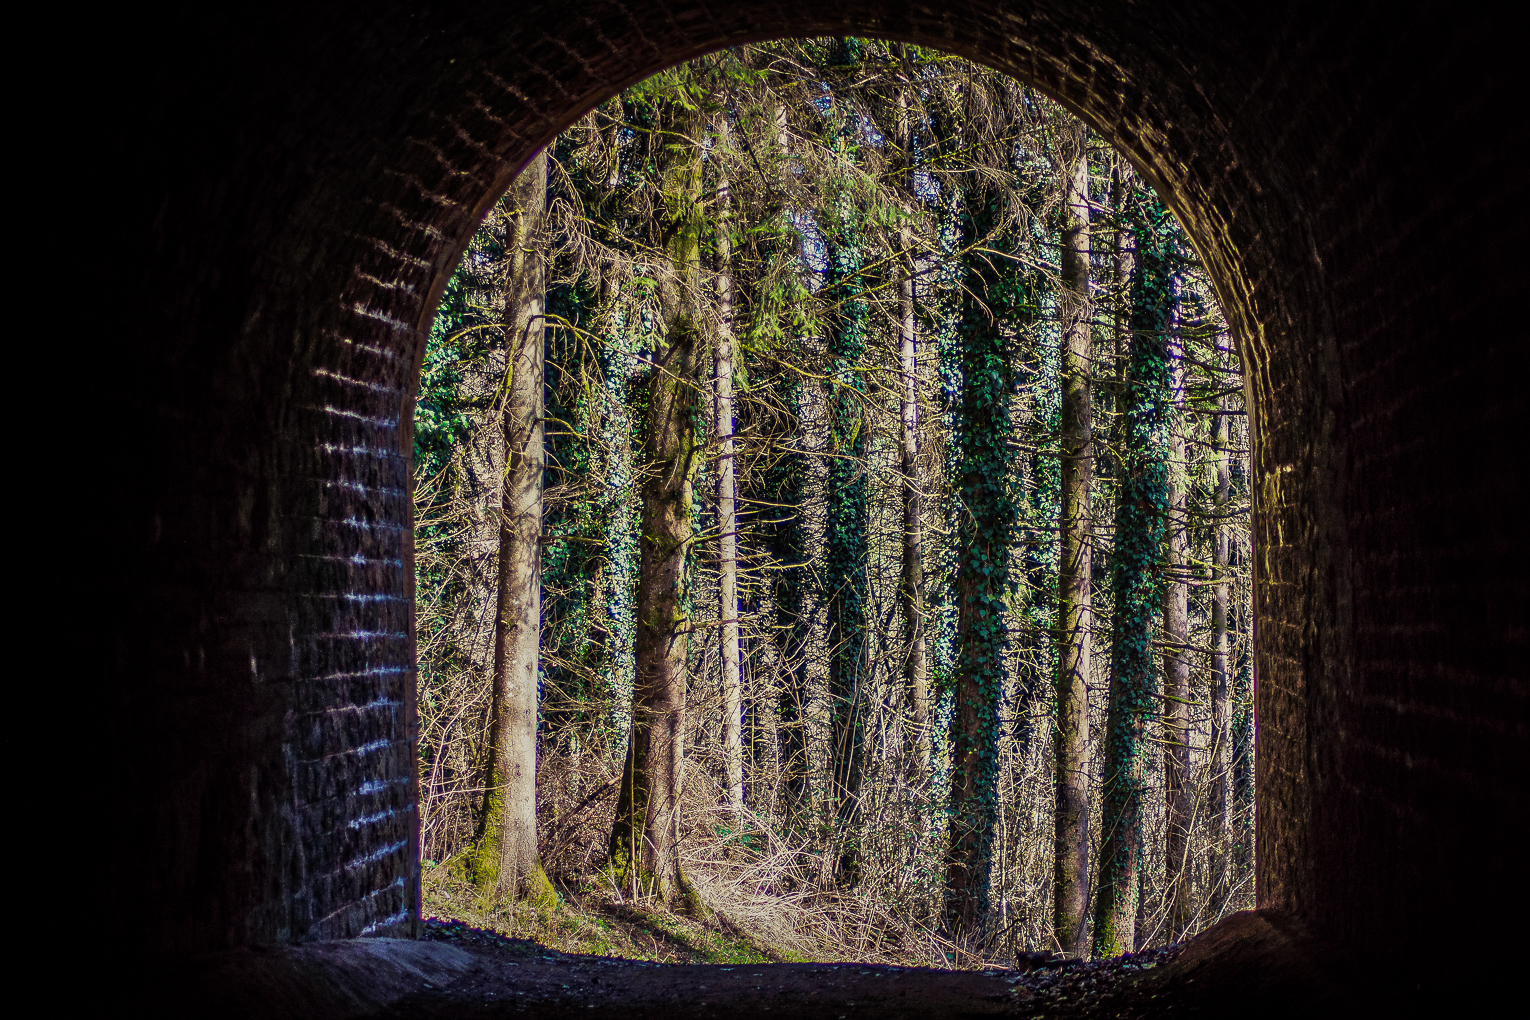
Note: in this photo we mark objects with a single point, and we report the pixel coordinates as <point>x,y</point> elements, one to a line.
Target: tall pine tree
<point>1142,501</point>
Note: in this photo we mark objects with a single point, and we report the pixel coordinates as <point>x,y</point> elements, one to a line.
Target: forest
<point>832,532</point>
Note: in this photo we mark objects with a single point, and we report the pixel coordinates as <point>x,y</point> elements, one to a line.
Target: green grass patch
<point>593,922</point>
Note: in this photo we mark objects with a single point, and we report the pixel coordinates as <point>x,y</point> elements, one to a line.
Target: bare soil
<point>1253,964</point>
<point>517,976</point>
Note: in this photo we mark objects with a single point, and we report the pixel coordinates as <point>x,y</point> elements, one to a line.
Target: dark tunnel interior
<point>293,187</point>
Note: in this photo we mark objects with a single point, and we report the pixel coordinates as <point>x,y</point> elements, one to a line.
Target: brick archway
<point>297,190</point>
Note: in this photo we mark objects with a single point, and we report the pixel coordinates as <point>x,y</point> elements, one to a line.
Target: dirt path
<point>512,976</point>
<point>1249,965</point>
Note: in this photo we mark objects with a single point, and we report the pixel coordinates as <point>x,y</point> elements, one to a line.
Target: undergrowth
<point>764,902</point>
<point>768,892</point>
<point>594,922</point>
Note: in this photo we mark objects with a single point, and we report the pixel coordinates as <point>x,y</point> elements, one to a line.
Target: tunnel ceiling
<point>288,191</point>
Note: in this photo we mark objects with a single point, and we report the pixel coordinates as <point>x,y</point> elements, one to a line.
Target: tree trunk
<point>786,479</point>
<point>727,517</point>
<point>915,670</point>
<point>1176,677</point>
<point>1242,740</point>
<point>1070,876</point>
<point>1222,763</point>
<point>1141,508</point>
<point>1122,258</point>
<point>482,479</point>
<point>621,464</point>
<point>916,684</point>
<point>787,483</point>
<point>845,538</point>
<point>990,302</point>
<point>645,836</point>
<point>505,860</point>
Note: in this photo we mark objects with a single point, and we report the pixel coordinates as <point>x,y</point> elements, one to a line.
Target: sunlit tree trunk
<point>786,487</point>
<point>1222,756</point>
<point>915,667</point>
<point>482,476</point>
<point>1176,678</point>
<point>1121,260</point>
<point>644,838</point>
<point>727,517</point>
<point>1242,745</point>
<point>1070,877</point>
<point>505,861</point>
<point>1141,509</point>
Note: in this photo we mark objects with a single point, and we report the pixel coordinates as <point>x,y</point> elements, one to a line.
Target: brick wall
<point>289,193</point>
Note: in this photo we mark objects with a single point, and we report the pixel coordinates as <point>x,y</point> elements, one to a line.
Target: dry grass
<point>591,922</point>
<point>764,891</point>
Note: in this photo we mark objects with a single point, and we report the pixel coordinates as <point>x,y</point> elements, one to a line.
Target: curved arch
<point>306,184</point>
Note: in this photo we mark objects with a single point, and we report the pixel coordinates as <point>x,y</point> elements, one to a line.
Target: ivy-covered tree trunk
<point>1141,509</point>
<point>786,493</point>
<point>645,836</point>
<point>1042,549</point>
<point>845,538</point>
<point>1070,874</point>
<point>504,860</point>
<point>992,294</point>
<point>1178,802</point>
<point>618,515</point>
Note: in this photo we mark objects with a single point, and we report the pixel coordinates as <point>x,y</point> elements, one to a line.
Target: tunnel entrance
<point>910,274</point>
<point>298,235</point>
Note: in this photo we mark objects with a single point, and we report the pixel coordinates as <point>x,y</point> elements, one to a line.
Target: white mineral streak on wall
<point>363,750</point>
<point>396,255</point>
<point>380,452</point>
<point>397,883</point>
<point>397,325</point>
<point>385,490</point>
<point>375,281</point>
<point>375,855</point>
<point>362,634</point>
<point>354,674</point>
<point>356,558</point>
<point>398,918</point>
<point>381,352</point>
<point>346,380</point>
<point>385,423</point>
<point>380,816</point>
<point>379,703</point>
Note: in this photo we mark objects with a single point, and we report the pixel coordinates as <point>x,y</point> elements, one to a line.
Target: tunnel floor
<point>1250,964</point>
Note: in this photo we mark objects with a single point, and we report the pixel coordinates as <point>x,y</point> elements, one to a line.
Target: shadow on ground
<point>1251,964</point>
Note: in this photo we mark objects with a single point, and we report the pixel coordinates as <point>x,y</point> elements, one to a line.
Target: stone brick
<point>293,191</point>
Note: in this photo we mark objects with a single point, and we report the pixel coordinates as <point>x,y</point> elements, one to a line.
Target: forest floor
<point>742,922</point>
<point>595,953</point>
<point>592,922</point>
<point>1253,964</point>
<point>512,975</point>
<point>592,956</point>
